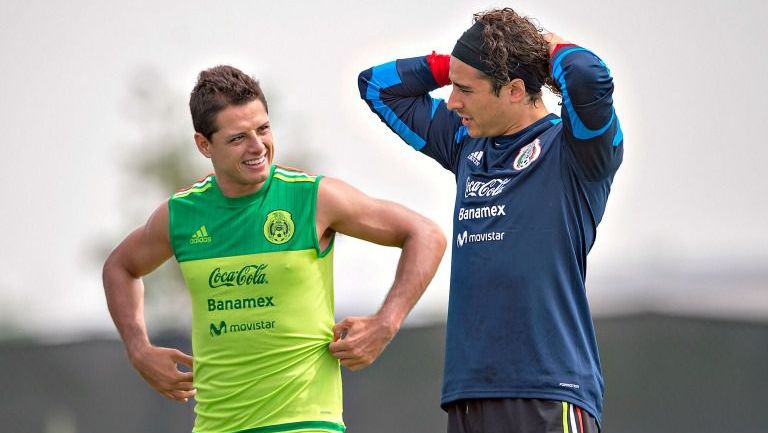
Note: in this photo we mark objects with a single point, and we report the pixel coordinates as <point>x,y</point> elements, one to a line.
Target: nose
<point>453,101</point>
<point>255,142</point>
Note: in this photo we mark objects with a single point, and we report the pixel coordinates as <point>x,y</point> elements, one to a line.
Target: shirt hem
<point>329,426</point>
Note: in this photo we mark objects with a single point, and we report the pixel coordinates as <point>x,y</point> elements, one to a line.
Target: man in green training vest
<point>255,245</point>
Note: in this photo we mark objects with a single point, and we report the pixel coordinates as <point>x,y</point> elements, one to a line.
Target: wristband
<point>438,64</point>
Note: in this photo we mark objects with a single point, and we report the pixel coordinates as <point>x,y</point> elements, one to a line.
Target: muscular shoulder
<point>335,198</point>
<point>156,227</point>
<point>146,248</point>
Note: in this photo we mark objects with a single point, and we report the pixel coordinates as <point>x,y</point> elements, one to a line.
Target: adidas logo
<point>200,237</point>
<point>476,157</point>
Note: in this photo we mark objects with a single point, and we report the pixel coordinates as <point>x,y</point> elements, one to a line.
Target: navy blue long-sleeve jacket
<point>527,209</point>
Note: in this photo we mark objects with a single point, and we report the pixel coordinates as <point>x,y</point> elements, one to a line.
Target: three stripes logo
<point>475,157</point>
<point>201,236</point>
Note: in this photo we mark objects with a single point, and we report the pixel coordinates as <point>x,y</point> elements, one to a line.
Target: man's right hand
<point>140,253</point>
<point>159,367</point>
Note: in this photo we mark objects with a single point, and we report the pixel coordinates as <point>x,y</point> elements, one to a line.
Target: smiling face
<point>241,150</point>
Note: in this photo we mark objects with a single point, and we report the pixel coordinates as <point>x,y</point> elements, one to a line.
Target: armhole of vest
<point>170,225</point>
<point>315,240</point>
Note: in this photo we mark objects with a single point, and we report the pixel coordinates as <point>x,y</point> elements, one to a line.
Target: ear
<point>203,145</point>
<point>515,90</point>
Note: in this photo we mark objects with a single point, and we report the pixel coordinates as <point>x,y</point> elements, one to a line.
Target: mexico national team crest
<point>278,228</point>
<point>527,155</point>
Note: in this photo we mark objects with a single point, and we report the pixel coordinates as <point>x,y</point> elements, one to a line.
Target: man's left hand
<point>358,341</point>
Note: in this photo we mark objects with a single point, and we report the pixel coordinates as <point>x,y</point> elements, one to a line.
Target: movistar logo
<point>461,239</point>
<point>468,238</point>
<point>248,275</point>
<point>201,236</point>
<point>222,328</point>
<point>215,331</point>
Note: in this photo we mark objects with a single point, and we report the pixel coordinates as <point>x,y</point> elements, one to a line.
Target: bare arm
<point>140,253</point>
<point>343,209</point>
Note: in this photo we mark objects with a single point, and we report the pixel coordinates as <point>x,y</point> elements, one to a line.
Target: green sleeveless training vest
<point>262,306</point>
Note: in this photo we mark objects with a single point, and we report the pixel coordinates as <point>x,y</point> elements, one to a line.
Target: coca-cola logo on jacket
<point>479,188</point>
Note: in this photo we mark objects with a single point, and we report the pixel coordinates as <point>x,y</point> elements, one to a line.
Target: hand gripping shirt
<point>527,209</point>
<point>262,306</point>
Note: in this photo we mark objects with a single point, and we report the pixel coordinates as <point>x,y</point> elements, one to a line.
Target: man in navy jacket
<point>521,353</point>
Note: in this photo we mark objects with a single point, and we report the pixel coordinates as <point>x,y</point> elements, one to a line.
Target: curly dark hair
<point>509,39</point>
<point>217,88</point>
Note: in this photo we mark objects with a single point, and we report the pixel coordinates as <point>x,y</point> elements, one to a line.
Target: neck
<point>233,189</point>
<point>529,114</point>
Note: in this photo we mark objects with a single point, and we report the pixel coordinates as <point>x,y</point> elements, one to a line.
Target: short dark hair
<point>217,88</point>
<point>509,39</point>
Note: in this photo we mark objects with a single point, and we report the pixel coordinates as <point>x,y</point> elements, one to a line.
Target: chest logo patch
<point>475,157</point>
<point>278,228</point>
<point>527,155</point>
<point>201,236</point>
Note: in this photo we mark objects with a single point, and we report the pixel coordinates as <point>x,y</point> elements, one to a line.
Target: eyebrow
<point>233,136</point>
<point>462,86</point>
<point>236,134</point>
